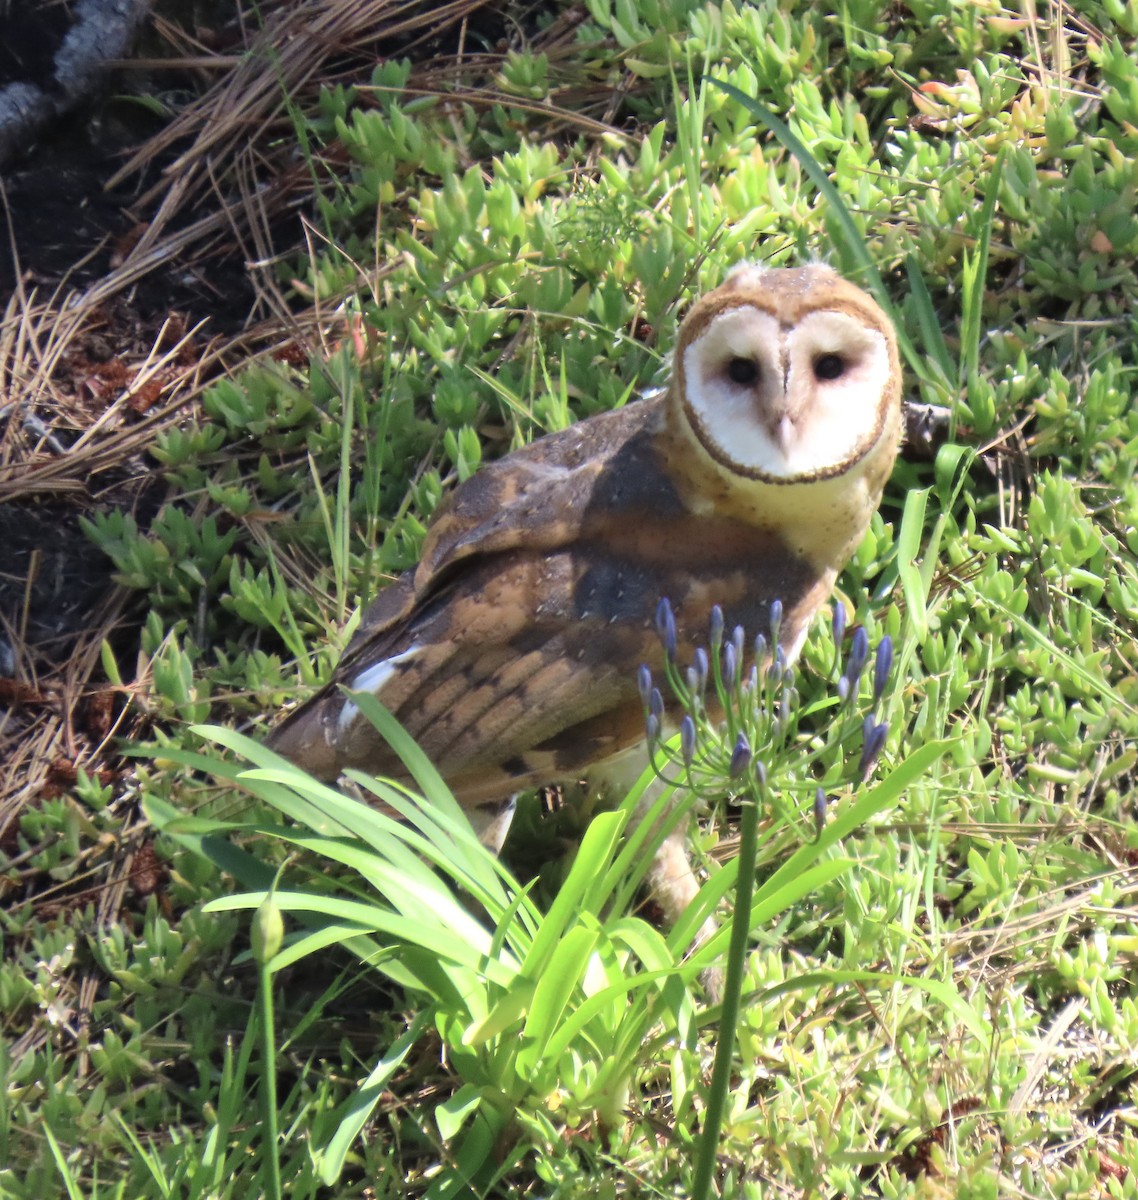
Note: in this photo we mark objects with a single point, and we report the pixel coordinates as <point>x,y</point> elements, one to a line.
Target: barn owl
<point>511,652</point>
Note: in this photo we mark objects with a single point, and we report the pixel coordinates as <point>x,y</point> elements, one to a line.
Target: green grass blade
<point>558,982</point>
<point>433,935</point>
<point>972,317</point>
<point>417,763</point>
<point>355,1113</point>
<point>579,892</point>
<point>908,556</point>
<point>940,991</point>
<point>932,335</point>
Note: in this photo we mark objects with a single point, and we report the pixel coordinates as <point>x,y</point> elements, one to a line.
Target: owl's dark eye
<point>742,371</point>
<point>829,366</point>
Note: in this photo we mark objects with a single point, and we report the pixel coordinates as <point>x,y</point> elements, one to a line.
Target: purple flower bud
<point>751,683</point>
<point>882,666</point>
<point>738,637</point>
<point>839,622</point>
<point>761,773</point>
<point>780,658</point>
<point>774,676</point>
<point>730,666</point>
<point>871,748</point>
<point>666,626</point>
<point>859,651</point>
<point>785,700</point>
<point>656,703</point>
<point>687,741</point>
<point>776,620</point>
<point>701,669</point>
<point>843,688</point>
<point>740,757</point>
<point>819,810</point>
<point>760,648</point>
<point>644,683</point>
<point>716,627</point>
<point>652,730</point>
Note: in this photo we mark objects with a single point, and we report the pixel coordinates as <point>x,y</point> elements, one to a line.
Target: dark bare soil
<point>52,579</point>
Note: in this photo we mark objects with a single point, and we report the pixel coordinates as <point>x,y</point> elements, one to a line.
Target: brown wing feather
<point>538,497</point>
<point>535,498</point>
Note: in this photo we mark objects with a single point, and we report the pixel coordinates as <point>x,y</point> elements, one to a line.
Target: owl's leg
<point>492,822</point>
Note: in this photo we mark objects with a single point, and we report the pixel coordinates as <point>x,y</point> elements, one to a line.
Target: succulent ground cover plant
<point>501,222</point>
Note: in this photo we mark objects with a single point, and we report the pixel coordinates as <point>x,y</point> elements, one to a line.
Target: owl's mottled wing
<point>472,649</point>
<point>510,653</point>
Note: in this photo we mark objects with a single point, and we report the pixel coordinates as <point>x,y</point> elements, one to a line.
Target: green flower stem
<point>732,997</point>
<point>270,1133</point>
<point>267,936</point>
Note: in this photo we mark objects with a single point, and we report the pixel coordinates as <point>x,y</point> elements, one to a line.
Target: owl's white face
<point>788,391</point>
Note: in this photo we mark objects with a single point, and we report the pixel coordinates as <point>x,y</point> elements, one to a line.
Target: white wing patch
<point>373,679</point>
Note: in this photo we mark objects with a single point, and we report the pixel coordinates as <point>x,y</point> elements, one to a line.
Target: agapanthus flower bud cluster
<point>738,714</point>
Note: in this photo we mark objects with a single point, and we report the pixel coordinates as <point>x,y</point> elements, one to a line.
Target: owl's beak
<point>786,434</point>
<point>782,428</point>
